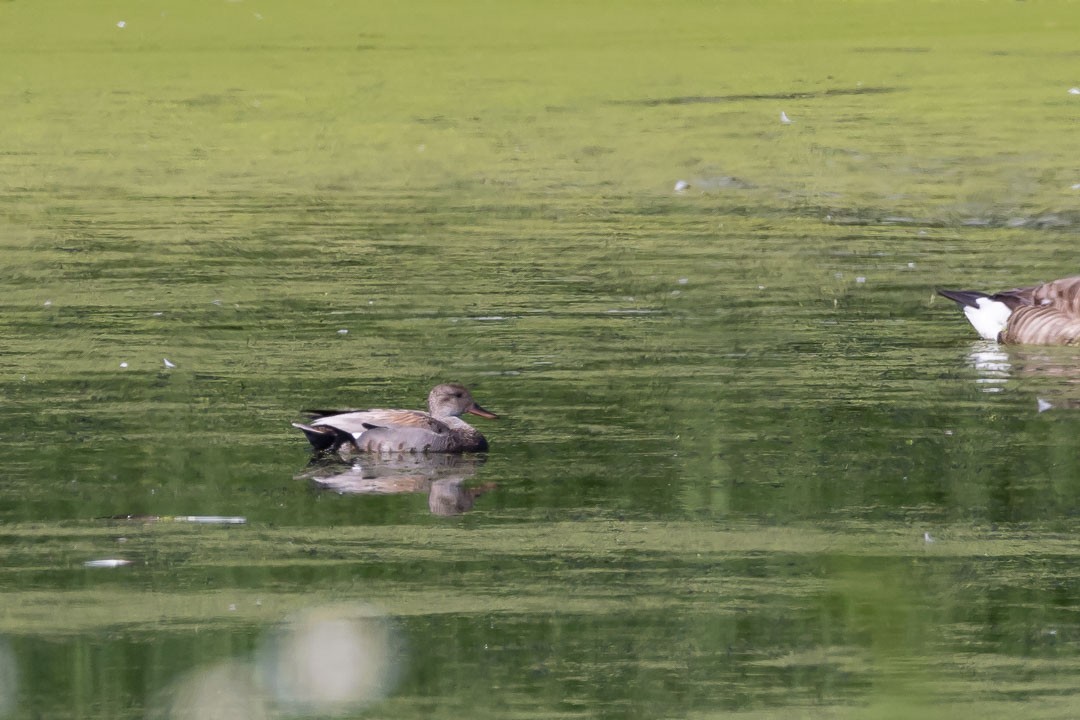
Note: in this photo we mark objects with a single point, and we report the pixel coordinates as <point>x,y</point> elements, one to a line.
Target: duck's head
<point>452,400</point>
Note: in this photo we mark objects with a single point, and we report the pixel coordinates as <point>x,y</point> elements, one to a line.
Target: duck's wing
<point>363,420</point>
<point>405,439</point>
<point>1053,318</point>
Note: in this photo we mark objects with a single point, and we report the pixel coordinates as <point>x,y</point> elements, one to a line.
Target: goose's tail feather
<point>986,313</point>
<point>967,298</point>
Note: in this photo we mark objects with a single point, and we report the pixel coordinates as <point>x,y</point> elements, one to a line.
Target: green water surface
<point>746,466</point>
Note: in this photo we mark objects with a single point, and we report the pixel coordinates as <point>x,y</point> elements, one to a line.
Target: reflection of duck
<point>442,477</point>
<point>1047,314</point>
<point>440,430</point>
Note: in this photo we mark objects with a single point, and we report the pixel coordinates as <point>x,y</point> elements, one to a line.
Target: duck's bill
<point>477,410</point>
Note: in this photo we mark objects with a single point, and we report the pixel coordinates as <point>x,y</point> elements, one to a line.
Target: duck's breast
<point>463,437</point>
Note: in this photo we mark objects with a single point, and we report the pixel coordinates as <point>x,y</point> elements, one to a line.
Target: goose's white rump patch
<point>989,318</point>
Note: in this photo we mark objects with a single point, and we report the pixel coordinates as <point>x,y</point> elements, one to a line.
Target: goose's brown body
<point>1047,314</point>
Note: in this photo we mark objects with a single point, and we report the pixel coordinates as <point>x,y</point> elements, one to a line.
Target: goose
<point>1047,314</point>
<point>440,430</point>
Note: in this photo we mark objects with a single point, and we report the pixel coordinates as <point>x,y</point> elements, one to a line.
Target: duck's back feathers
<point>358,421</point>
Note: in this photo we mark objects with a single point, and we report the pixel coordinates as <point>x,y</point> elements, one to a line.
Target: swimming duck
<point>1047,314</point>
<point>439,430</point>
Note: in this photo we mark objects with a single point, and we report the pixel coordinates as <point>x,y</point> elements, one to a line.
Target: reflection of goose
<point>1047,314</point>
<point>1050,374</point>
<point>992,363</point>
<point>442,477</point>
<point>440,430</point>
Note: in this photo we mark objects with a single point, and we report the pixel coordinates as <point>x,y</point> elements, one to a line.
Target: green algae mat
<point>746,464</point>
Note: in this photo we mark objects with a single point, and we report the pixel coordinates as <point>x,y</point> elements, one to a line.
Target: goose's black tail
<point>967,298</point>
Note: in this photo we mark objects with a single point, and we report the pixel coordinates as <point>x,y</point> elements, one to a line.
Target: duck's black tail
<point>324,438</point>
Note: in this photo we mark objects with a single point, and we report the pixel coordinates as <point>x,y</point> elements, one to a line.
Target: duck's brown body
<point>1047,314</point>
<point>440,430</point>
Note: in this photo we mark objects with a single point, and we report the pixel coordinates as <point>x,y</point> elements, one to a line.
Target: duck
<point>439,430</point>
<point>1046,314</point>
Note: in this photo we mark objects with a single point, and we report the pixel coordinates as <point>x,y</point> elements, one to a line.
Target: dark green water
<point>746,463</point>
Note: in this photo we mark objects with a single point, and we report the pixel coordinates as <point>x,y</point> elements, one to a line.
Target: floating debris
<point>210,519</point>
<point>785,119</point>
<point>169,364</point>
<point>109,563</point>
<point>927,537</point>
<point>860,280</point>
<point>198,519</point>
<point>123,364</point>
<point>1043,405</point>
<point>1074,91</point>
<point>48,303</point>
<point>682,186</point>
<point>121,24</point>
<point>342,331</point>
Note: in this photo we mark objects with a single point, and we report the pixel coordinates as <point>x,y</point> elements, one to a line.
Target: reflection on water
<point>330,660</point>
<point>738,413</point>
<point>224,690</point>
<point>9,678</point>
<point>323,661</point>
<point>992,363</point>
<point>1052,375</point>
<point>442,476</point>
